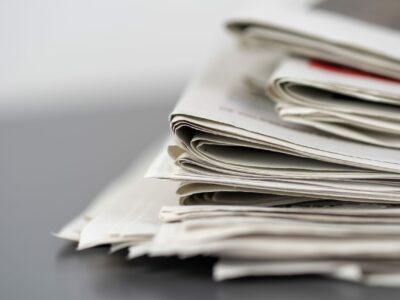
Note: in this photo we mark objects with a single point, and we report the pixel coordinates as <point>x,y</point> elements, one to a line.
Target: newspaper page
<point>330,30</point>
<point>339,100</point>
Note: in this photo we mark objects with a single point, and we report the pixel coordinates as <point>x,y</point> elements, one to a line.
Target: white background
<point>61,53</point>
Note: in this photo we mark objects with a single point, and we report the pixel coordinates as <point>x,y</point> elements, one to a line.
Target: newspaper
<point>330,30</point>
<point>276,241</point>
<point>335,214</point>
<point>372,272</point>
<point>230,136</point>
<point>359,191</point>
<point>219,106</point>
<point>125,214</point>
<point>335,99</point>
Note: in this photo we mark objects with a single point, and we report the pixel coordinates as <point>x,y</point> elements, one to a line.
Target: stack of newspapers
<point>284,154</point>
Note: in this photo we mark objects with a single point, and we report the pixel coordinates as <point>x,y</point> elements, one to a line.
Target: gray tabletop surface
<point>52,165</point>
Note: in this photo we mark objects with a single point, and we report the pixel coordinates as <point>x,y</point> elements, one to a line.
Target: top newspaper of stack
<point>352,34</point>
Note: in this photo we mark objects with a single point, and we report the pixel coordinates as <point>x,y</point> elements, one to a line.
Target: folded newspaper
<point>271,153</point>
<point>332,97</point>
<point>359,33</point>
<point>348,103</point>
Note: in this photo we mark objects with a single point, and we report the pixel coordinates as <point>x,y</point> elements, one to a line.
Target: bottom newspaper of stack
<point>276,239</point>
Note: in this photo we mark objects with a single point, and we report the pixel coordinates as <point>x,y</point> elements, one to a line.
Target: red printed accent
<point>348,71</point>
